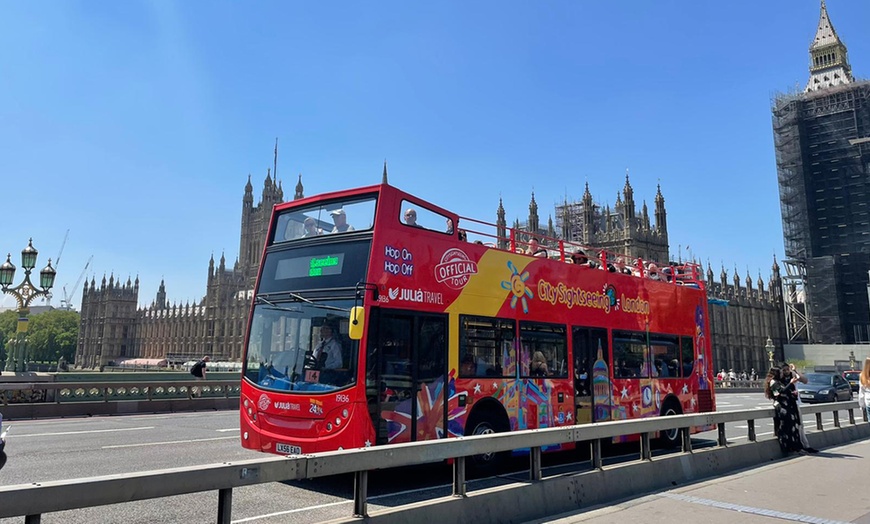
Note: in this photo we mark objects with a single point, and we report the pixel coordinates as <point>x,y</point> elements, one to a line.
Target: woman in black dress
<point>786,417</point>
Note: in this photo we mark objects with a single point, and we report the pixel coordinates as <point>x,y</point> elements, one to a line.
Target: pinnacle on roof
<point>825,34</point>
<point>829,62</point>
<point>299,189</point>
<point>384,178</point>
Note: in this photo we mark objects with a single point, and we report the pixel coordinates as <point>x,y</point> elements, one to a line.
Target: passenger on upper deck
<point>652,272</point>
<point>411,218</point>
<point>619,266</point>
<point>535,249</point>
<point>311,229</point>
<point>449,230</point>
<point>339,218</point>
<point>579,258</point>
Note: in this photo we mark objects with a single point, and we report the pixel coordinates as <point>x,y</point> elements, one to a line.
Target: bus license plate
<point>288,449</point>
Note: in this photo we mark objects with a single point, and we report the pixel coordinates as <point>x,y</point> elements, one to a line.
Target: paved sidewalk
<point>827,488</point>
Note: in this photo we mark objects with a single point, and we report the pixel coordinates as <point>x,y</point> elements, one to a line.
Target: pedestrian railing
<point>34,500</point>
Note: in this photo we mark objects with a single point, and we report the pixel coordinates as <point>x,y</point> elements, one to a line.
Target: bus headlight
<point>329,426</point>
<point>344,413</point>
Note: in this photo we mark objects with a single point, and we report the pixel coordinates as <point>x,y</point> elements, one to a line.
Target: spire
<point>275,162</point>
<point>829,62</point>
<point>384,178</point>
<point>661,214</point>
<point>299,194</point>
<point>501,226</point>
<point>628,211</point>
<point>533,215</point>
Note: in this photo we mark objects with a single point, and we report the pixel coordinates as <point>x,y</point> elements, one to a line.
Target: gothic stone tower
<point>619,230</point>
<point>112,328</point>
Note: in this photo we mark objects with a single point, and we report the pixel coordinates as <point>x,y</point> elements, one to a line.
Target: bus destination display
<point>309,266</point>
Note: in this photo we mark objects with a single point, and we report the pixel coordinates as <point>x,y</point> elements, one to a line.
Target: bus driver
<point>327,353</point>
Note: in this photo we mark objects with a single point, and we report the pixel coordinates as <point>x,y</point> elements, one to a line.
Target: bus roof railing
<point>518,241</point>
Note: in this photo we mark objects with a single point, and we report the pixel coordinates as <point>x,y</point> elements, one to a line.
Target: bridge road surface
<point>827,488</point>
<point>56,449</point>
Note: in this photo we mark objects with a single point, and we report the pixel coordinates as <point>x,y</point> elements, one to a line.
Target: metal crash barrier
<point>564,491</point>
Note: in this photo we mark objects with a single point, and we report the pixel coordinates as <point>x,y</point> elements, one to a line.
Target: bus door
<point>592,391</point>
<point>407,353</point>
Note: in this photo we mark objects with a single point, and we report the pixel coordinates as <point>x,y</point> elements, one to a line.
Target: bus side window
<point>665,353</point>
<point>630,354</point>
<point>545,349</point>
<point>485,347</point>
<point>687,350</point>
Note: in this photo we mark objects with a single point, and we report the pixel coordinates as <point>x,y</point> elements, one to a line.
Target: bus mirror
<point>357,321</point>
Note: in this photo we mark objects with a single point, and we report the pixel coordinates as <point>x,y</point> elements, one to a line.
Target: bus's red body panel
<point>428,270</point>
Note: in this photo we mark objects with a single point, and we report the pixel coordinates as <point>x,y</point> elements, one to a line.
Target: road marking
<point>165,443</point>
<point>225,430</point>
<point>309,508</point>
<point>78,432</point>
<point>746,436</point>
<point>748,509</point>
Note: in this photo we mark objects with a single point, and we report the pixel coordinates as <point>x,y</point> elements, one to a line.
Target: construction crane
<point>66,302</point>
<point>57,264</point>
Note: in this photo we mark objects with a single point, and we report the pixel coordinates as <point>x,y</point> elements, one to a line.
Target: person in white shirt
<point>328,350</point>
<point>864,388</point>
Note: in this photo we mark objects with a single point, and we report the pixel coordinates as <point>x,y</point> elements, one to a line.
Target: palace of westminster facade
<point>743,313</point>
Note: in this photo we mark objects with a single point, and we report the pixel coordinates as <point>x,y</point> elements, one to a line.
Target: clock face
<point>647,395</point>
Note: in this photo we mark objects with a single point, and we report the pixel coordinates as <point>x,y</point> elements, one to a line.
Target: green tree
<point>53,334</point>
<point>8,321</point>
<point>50,335</point>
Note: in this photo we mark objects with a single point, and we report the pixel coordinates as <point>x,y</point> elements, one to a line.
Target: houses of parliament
<point>743,313</point>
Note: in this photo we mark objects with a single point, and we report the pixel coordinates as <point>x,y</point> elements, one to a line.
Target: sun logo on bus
<point>517,286</point>
<point>610,293</point>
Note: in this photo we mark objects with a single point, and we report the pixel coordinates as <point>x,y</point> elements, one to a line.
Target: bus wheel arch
<point>671,406</point>
<point>490,412</point>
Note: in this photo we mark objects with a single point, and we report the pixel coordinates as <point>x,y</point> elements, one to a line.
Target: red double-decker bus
<point>381,318</point>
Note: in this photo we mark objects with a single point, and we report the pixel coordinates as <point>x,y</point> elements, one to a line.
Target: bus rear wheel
<point>485,423</point>
<point>670,439</point>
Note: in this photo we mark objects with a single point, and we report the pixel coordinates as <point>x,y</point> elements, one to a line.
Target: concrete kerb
<point>574,492</point>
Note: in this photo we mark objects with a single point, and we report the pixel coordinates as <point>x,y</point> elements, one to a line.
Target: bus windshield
<point>301,346</point>
<point>337,216</point>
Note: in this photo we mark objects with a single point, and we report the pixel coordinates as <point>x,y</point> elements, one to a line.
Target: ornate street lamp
<point>769,347</point>
<point>24,293</point>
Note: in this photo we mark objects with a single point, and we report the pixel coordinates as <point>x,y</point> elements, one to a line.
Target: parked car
<point>852,377</point>
<point>824,387</point>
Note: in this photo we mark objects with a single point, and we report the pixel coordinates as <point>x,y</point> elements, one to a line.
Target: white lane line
<point>309,508</point>
<point>225,430</point>
<point>165,443</point>
<point>747,436</point>
<point>17,435</point>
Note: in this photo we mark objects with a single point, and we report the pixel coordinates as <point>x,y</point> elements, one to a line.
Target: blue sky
<point>135,124</point>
